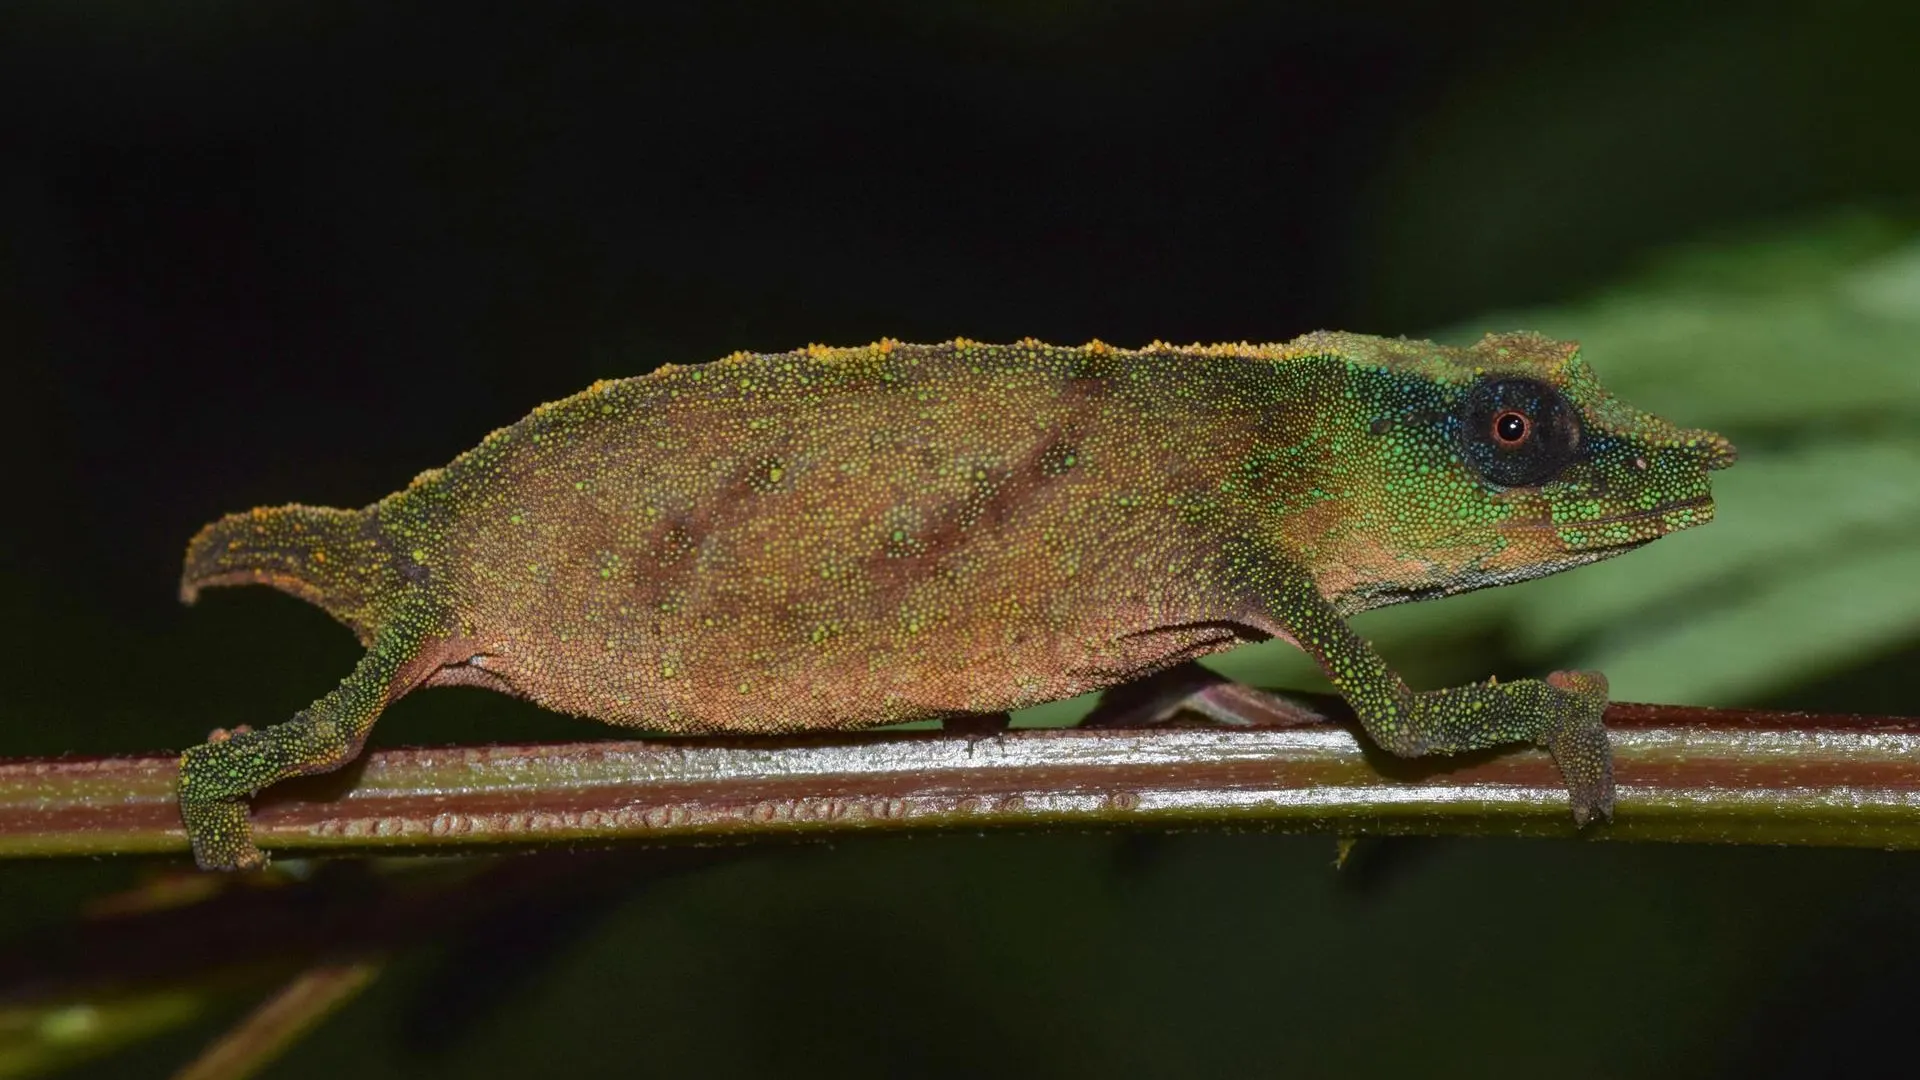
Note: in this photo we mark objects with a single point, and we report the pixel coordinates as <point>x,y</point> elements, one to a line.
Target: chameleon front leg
<point>1561,712</point>
<point>218,777</point>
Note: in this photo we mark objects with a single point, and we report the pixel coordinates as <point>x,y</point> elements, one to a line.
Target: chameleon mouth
<point>1626,530</point>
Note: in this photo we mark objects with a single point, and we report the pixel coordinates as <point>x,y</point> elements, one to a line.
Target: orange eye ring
<point>1511,428</point>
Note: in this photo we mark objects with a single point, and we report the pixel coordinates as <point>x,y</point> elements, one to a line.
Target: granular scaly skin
<point>837,538</point>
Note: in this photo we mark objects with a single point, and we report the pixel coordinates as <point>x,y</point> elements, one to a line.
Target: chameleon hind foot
<point>217,826</point>
<point>217,778</point>
<point>220,775</point>
<point>1188,687</point>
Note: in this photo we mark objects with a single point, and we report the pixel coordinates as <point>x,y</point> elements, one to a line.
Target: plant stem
<point>282,1020</point>
<point>1291,763</point>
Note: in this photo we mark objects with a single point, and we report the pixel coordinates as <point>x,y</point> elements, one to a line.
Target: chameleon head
<point>1577,471</point>
<point>1526,467</point>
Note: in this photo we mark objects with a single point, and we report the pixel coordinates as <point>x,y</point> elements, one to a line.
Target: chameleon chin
<point>839,538</point>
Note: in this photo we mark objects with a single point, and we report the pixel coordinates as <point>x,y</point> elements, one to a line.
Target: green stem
<point>1684,774</point>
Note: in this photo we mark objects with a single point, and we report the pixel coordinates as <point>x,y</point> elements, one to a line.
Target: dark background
<point>259,253</point>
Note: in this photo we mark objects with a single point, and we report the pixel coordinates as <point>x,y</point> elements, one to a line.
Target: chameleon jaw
<point>1615,533</point>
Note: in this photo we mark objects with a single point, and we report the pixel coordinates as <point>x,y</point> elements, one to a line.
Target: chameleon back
<point>839,537</point>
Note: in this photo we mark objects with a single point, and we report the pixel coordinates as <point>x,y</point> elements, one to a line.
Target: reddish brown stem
<point>1684,774</point>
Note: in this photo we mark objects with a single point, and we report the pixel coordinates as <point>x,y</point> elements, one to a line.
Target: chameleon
<point>835,538</point>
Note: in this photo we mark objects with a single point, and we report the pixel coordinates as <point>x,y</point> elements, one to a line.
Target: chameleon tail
<point>336,559</point>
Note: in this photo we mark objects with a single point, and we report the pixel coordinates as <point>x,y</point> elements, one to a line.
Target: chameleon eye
<point>1510,428</point>
<point>1517,432</point>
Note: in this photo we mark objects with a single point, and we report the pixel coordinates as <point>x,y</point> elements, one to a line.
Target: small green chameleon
<point>838,538</point>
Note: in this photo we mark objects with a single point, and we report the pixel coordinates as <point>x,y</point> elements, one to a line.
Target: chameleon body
<point>837,538</point>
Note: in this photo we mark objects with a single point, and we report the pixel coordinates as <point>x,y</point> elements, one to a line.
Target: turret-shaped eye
<point>1518,432</point>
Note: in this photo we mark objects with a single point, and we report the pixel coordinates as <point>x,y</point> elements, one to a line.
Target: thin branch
<point>163,955</point>
<point>1290,763</point>
<point>281,1020</point>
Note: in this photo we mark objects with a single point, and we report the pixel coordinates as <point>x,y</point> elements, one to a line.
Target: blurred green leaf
<point>1784,333</point>
<point>1777,634</point>
<point>41,1038</point>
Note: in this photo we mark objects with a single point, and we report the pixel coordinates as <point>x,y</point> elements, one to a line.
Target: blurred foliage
<point>43,1037</point>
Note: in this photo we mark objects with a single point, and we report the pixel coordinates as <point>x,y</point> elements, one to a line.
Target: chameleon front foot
<point>1561,712</point>
<point>1577,740</point>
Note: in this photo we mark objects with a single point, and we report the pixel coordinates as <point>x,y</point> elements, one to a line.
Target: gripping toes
<point>213,805</point>
<point>1577,739</point>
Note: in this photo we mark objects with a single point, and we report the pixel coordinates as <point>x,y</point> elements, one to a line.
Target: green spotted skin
<point>839,538</point>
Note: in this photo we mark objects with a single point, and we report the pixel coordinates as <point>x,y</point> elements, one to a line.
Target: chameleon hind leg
<point>1561,712</point>
<point>218,777</point>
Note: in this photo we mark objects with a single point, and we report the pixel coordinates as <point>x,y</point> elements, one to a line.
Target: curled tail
<point>336,559</point>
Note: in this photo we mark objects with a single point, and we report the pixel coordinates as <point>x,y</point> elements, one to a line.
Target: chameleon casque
<point>837,538</point>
